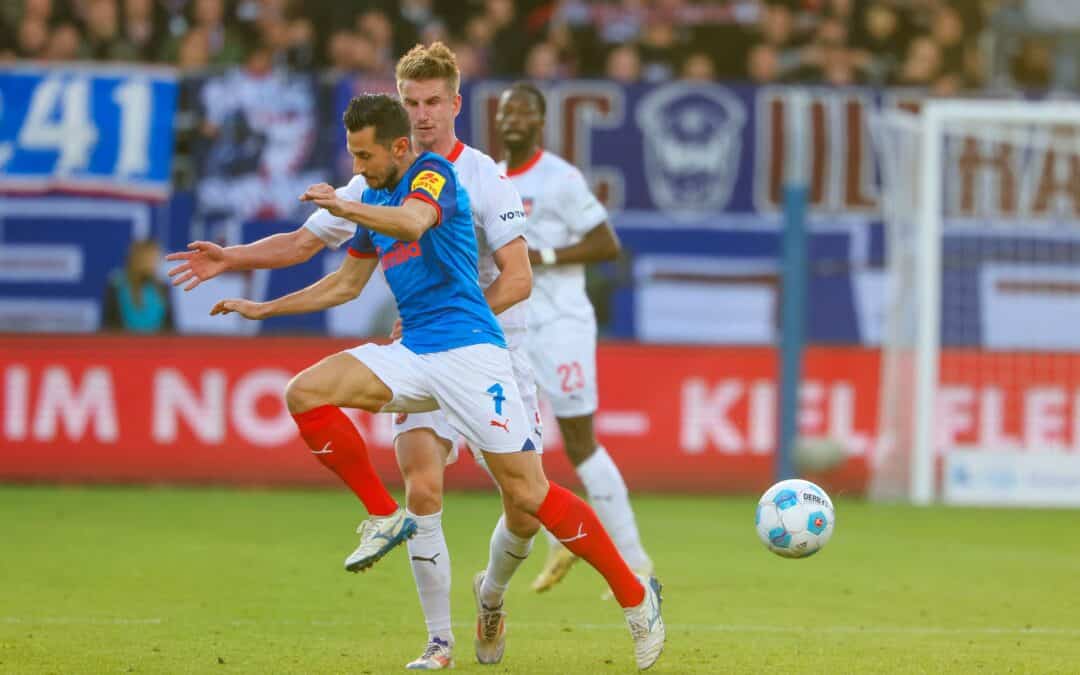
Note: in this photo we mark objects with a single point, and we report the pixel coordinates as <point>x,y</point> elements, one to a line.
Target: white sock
<point>611,501</point>
<point>430,561</point>
<point>507,553</point>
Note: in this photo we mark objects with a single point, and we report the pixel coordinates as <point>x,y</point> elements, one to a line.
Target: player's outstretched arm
<point>407,222</point>
<point>599,244</point>
<point>341,285</point>
<point>205,260</point>
<point>514,282</point>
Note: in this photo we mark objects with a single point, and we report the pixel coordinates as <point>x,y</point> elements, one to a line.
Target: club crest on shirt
<point>429,182</point>
<point>527,202</point>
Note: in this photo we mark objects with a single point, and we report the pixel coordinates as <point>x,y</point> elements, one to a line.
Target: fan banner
<point>87,129</point>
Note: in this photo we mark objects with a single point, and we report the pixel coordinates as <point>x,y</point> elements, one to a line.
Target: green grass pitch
<point>213,581</point>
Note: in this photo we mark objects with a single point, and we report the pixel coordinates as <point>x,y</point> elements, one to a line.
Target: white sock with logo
<point>611,501</point>
<point>430,561</point>
<point>507,553</point>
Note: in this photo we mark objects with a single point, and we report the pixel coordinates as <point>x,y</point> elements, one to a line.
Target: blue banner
<point>96,130</point>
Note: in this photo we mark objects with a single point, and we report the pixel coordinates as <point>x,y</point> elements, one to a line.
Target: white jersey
<point>561,210</point>
<point>498,215</point>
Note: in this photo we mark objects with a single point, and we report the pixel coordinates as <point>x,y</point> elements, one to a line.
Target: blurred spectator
<point>542,63</point>
<point>763,63</point>
<point>947,29</point>
<point>103,40</point>
<point>698,67</point>
<point>143,28</point>
<point>224,43</point>
<point>1033,66</point>
<point>136,300</point>
<point>64,43</point>
<point>624,65</point>
<point>375,25</point>
<point>659,52</point>
<point>880,35</point>
<point>836,42</point>
<point>7,41</point>
<point>194,51</point>
<point>479,32</point>
<point>467,60</point>
<point>508,44</point>
<point>922,63</point>
<point>32,38</point>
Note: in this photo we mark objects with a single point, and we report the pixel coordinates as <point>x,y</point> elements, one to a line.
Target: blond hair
<point>434,62</point>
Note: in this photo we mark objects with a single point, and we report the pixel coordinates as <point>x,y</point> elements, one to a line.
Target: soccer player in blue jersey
<point>416,222</point>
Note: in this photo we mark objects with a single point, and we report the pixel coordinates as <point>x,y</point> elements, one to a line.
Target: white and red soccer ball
<point>795,518</point>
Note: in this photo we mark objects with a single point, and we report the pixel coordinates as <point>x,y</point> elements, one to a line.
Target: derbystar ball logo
<point>429,182</point>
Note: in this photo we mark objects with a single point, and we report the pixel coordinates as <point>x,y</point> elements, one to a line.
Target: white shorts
<point>436,420</point>
<point>473,386</point>
<point>564,362</point>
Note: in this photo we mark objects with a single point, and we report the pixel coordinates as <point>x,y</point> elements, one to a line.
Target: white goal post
<point>926,199</point>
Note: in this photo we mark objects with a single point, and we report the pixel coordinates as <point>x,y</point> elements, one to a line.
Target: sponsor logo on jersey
<point>399,253</point>
<point>527,202</point>
<point>511,215</point>
<point>429,182</point>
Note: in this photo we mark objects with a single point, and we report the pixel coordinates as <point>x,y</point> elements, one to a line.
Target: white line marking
<point>677,627</point>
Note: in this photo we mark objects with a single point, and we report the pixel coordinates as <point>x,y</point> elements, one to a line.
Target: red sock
<point>569,518</point>
<point>336,443</point>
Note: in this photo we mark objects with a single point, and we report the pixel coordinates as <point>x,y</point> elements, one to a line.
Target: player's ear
<point>400,146</point>
<point>457,104</point>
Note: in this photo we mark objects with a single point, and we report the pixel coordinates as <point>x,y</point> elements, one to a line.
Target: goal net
<point>980,381</point>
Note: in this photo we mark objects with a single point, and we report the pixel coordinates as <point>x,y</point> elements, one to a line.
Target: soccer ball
<point>795,518</point>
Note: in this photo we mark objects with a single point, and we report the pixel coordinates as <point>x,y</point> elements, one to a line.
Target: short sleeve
<point>361,245</point>
<point>435,184</point>
<point>501,214</point>
<point>334,231</point>
<point>578,206</point>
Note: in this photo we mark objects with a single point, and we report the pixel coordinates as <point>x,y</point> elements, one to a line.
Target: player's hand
<point>324,196</point>
<point>204,260</point>
<point>245,308</point>
<point>395,332</point>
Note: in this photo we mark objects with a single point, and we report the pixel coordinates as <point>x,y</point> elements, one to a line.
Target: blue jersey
<point>434,280</point>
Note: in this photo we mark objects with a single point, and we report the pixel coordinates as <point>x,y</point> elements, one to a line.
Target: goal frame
<point>933,119</point>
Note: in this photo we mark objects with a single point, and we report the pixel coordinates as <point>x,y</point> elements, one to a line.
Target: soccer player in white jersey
<point>428,82</point>
<point>567,228</point>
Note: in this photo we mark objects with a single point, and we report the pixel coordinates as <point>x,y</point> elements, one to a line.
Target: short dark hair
<point>383,112</point>
<point>534,91</point>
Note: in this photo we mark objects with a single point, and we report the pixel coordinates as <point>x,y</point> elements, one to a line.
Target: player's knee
<point>579,450</point>
<point>423,494</point>
<point>520,523</point>
<point>301,394</point>
<point>524,495</point>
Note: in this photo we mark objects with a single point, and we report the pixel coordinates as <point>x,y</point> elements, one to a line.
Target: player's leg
<point>314,397</point>
<point>576,526</point>
<point>605,487</point>
<point>476,389</point>
<point>423,444</point>
<point>373,378</point>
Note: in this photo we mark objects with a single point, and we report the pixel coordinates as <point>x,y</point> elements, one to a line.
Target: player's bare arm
<point>514,282</point>
<point>407,222</point>
<point>599,244</point>
<point>205,260</point>
<point>340,286</point>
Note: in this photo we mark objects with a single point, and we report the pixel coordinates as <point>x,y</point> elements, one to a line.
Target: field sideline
<point>112,580</point>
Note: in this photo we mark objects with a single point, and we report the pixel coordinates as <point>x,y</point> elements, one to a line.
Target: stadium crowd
<point>946,45</point>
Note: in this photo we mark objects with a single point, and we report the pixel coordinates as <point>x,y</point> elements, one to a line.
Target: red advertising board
<point>695,419</point>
